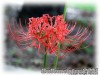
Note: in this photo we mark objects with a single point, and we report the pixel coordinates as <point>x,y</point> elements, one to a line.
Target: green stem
<point>45,59</point>
<point>56,58</point>
<point>64,13</point>
<point>55,62</point>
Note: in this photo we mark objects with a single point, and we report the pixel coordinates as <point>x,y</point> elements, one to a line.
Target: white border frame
<point>20,2</point>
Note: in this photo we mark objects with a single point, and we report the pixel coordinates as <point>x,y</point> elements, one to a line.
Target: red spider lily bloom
<point>47,32</point>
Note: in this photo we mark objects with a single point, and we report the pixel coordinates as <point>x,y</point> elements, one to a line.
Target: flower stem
<point>64,13</point>
<point>56,58</point>
<point>55,62</point>
<point>45,59</point>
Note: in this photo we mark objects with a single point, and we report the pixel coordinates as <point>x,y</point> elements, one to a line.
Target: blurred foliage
<point>88,50</point>
<point>85,7</point>
<point>18,61</point>
<point>30,50</point>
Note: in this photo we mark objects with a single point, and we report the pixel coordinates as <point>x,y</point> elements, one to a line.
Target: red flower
<point>47,32</point>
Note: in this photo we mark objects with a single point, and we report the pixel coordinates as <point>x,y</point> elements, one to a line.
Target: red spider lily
<point>47,32</point>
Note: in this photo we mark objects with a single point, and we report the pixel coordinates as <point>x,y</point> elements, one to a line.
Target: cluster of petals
<point>48,32</point>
